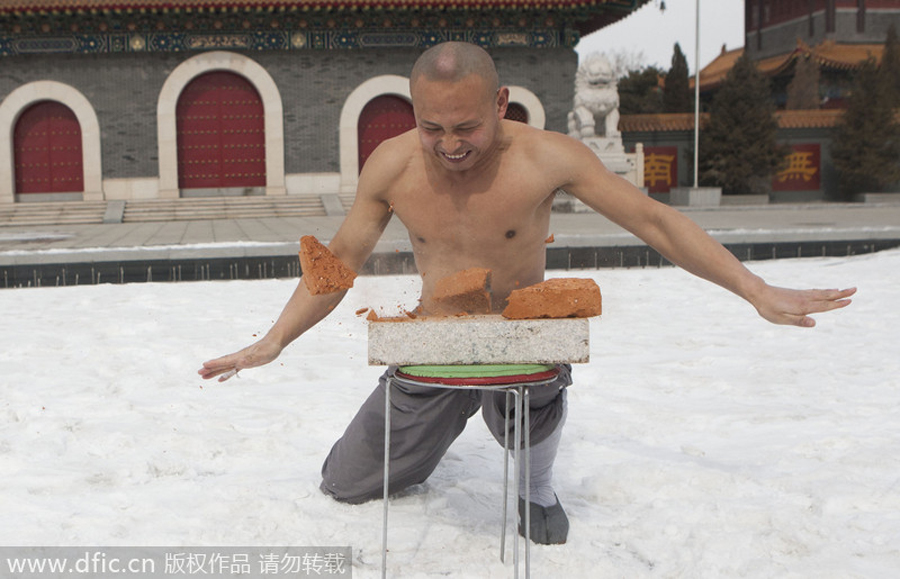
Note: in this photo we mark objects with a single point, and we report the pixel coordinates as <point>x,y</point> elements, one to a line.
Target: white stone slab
<point>479,340</point>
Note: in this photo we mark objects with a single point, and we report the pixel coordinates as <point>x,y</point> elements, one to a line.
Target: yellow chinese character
<point>658,169</point>
<point>800,166</point>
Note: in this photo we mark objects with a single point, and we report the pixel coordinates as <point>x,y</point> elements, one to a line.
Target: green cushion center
<point>475,370</point>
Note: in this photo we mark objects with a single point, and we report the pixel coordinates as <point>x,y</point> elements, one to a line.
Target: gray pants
<point>424,422</point>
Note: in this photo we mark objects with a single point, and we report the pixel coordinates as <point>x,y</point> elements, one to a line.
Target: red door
<point>47,150</point>
<point>220,126</point>
<point>382,118</point>
<point>516,112</point>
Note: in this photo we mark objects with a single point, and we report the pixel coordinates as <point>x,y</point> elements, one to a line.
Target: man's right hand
<point>258,354</point>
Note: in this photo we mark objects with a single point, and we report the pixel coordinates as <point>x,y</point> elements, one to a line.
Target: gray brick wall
<point>124,89</point>
<point>549,74</point>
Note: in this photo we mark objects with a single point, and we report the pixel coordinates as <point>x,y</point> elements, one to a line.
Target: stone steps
<point>52,213</point>
<point>142,211</point>
<point>223,208</point>
<point>347,200</point>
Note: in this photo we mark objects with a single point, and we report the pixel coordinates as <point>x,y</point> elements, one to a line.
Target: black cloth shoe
<point>549,525</point>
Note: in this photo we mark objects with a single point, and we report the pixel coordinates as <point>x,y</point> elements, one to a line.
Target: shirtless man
<point>475,190</point>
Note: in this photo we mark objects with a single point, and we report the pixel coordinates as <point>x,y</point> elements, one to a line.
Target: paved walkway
<point>22,245</point>
<point>267,247</point>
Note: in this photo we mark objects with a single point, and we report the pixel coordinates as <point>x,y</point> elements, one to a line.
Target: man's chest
<point>478,221</point>
<point>500,208</point>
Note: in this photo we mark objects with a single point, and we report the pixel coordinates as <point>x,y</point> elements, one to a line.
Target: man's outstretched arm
<point>685,244</point>
<point>352,244</point>
<point>301,313</point>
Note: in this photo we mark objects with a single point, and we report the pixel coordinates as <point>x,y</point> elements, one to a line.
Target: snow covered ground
<point>701,441</point>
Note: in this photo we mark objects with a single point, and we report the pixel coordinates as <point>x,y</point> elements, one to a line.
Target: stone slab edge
<point>479,340</point>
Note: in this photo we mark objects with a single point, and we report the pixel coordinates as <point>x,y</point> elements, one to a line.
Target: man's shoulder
<point>541,144</point>
<point>389,164</point>
<point>393,156</point>
<point>405,141</point>
<point>524,133</point>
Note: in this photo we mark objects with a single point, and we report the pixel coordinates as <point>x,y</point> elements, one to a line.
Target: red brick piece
<point>323,273</point>
<point>467,291</point>
<point>555,298</point>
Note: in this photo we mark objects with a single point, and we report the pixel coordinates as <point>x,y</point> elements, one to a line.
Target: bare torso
<point>497,217</point>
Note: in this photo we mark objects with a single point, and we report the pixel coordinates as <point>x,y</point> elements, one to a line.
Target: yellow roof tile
<point>801,119</point>
<point>828,54</point>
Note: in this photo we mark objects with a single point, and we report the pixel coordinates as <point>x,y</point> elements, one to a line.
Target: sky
<point>654,33</point>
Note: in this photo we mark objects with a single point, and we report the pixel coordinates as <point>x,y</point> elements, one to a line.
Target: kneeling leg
<point>424,422</point>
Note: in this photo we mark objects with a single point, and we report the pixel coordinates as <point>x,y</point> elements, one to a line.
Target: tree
<point>625,60</point>
<point>639,92</point>
<point>738,147</point>
<point>890,66</point>
<point>866,144</point>
<point>677,93</point>
<point>803,90</point>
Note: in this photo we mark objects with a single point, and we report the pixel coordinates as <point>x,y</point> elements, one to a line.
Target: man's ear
<point>502,101</point>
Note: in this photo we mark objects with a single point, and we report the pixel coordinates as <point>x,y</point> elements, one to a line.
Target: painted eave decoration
<point>591,15</point>
<point>97,26</point>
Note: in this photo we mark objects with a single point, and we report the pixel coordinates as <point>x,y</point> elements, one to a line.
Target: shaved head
<point>452,62</point>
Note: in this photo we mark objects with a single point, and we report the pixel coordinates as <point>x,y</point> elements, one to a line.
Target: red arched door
<point>516,112</point>
<point>383,117</point>
<point>220,126</point>
<point>47,150</point>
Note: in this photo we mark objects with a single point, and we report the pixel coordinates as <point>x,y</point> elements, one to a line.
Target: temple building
<point>835,36</point>
<point>162,99</point>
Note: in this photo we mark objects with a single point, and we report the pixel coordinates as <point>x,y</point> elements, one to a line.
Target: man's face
<point>458,122</point>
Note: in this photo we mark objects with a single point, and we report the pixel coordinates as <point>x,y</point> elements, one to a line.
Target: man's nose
<point>451,142</point>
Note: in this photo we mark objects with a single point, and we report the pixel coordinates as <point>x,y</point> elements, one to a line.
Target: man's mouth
<point>455,158</point>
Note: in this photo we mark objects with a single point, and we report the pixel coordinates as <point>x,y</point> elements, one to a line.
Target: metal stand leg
<point>505,478</point>
<point>526,423</point>
<point>517,445</point>
<point>522,417</point>
<point>387,473</point>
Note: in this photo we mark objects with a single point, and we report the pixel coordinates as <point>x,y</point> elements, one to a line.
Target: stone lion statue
<point>596,99</point>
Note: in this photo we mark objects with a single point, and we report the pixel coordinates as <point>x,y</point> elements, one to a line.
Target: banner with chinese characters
<point>660,169</point>
<point>802,170</point>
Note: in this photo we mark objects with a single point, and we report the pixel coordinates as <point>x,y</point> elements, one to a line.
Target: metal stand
<point>516,387</point>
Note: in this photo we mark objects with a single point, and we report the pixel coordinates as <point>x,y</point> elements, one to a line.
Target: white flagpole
<point>697,99</point>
